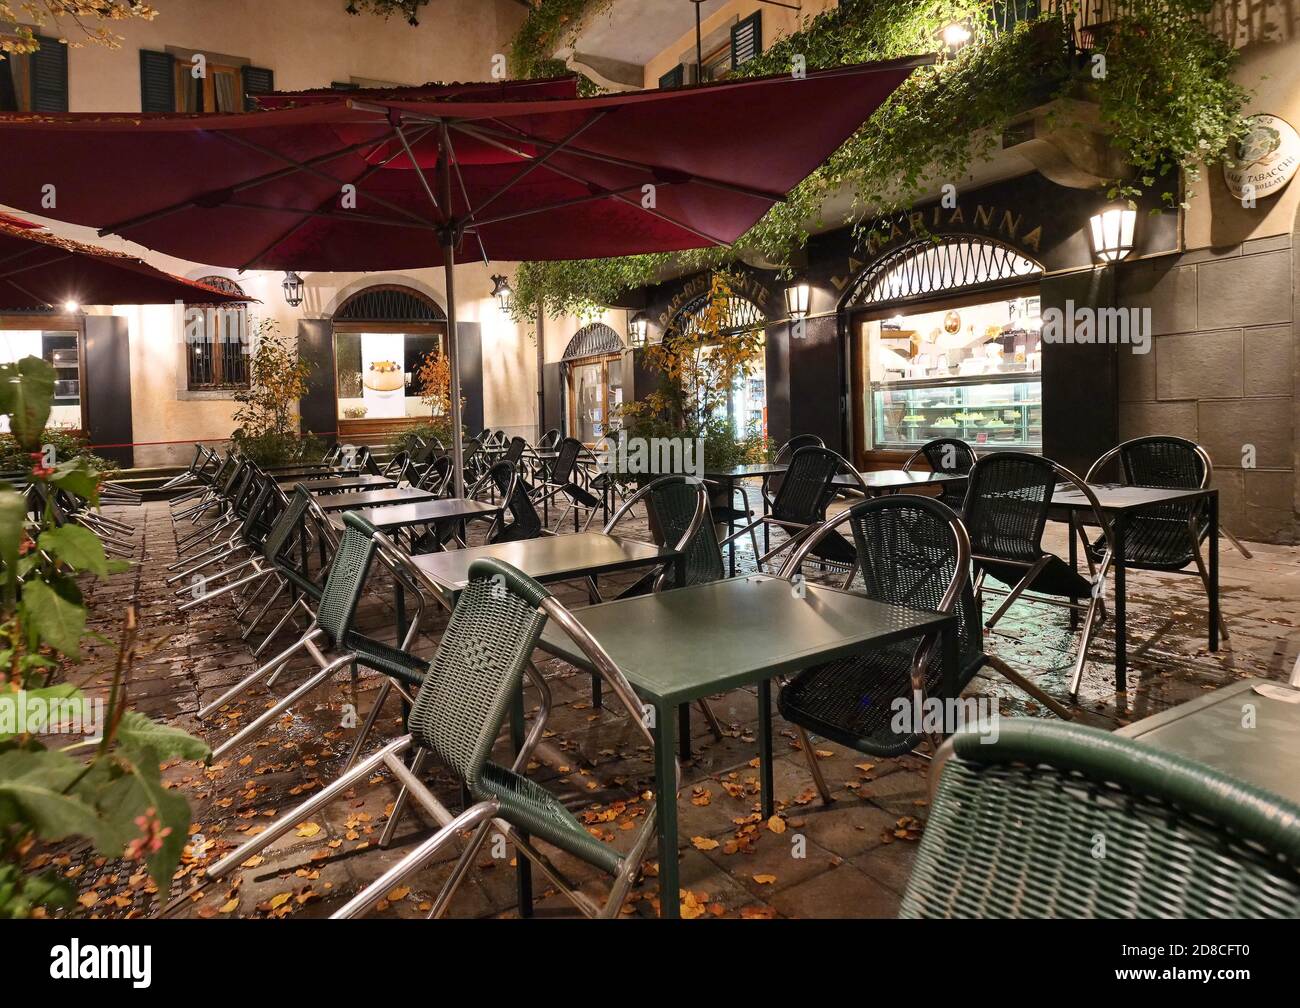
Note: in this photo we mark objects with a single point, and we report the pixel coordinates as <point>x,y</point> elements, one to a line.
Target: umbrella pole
<point>453,361</point>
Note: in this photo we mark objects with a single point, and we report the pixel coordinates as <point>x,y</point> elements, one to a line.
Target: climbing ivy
<point>1162,85</point>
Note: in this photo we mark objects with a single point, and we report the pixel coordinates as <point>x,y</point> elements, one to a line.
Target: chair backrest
<point>1171,463</point>
<point>566,458</point>
<point>437,476</point>
<point>397,465</point>
<point>333,454</point>
<point>782,457</point>
<point>807,486</point>
<point>515,451</point>
<point>477,669</point>
<point>288,522</point>
<point>1007,497</point>
<point>677,512</point>
<point>526,523</point>
<point>946,455</point>
<point>1012,832</point>
<point>550,439</point>
<point>347,576</point>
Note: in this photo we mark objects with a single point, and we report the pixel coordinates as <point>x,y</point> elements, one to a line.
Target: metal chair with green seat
<point>912,551</point>
<point>333,629</point>
<point>1015,824</point>
<point>676,509</point>
<point>457,717</point>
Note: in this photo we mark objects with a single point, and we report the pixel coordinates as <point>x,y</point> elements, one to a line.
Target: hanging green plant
<point>1165,95</point>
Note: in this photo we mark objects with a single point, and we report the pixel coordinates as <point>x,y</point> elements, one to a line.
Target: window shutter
<point>746,39</point>
<point>257,80</point>
<point>675,77</point>
<point>157,81</point>
<point>50,76</point>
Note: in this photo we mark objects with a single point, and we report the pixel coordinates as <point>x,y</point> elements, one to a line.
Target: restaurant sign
<point>742,284</point>
<point>1266,159</point>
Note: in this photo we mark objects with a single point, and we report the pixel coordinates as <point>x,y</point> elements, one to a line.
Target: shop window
<point>217,341</point>
<point>593,361</point>
<point>747,405</point>
<point>382,337</point>
<point>168,82</point>
<point>57,341</point>
<point>37,81</point>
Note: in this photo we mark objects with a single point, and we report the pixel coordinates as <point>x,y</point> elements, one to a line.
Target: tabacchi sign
<point>1266,158</point>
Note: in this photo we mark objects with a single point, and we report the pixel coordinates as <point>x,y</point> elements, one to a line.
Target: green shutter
<point>157,81</point>
<point>257,80</point>
<point>675,77</point>
<point>746,39</point>
<point>49,76</point>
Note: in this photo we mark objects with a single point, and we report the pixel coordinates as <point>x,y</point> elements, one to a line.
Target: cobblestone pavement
<point>851,858</point>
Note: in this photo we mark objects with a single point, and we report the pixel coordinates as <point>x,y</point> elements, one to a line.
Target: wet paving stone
<point>849,858</point>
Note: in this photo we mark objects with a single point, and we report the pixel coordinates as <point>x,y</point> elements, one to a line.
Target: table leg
<point>684,731</point>
<point>766,788</point>
<point>1121,607</point>
<point>1074,566</point>
<point>1214,571</point>
<point>731,528</point>
<point>666,809</point>
<point>762,493</point>
<point>523,867</point>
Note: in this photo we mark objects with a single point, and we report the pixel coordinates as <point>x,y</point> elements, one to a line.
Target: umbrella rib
<point>279,173</point>
<point>536,162</point>
<point>419,172</point>
<point>226,135</point>
<point>772,197</point>
<point>280,238</point>
<point>32,266</point>
<point>514,215</point>
<point>332,214</point>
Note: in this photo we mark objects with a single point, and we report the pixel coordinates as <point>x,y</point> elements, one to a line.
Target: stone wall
<point>1222,372</point>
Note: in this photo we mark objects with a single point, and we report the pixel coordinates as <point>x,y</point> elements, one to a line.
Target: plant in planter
<point>268,408</point>
<point>433,379</point>
<point>116,798</point>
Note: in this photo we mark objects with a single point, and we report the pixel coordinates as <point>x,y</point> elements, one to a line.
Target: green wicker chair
<point>457,717</point>
<point>1055,820</point>
<point>333,630</point>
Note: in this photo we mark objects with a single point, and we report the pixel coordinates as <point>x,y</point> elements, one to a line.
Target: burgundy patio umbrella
<point>396,181</point>
<point>39,270</point>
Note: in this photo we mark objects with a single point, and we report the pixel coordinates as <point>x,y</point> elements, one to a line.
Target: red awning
<point>39,270</point>
<point>531,178</point>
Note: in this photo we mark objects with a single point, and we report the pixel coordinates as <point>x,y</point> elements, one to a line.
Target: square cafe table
<point>547,558</point>
<point>897,481</point>
<point>373,498</point>
<point>679,646</point>
<point>1119,503</point>
<point>337,484</point>
<point>1261,749</point>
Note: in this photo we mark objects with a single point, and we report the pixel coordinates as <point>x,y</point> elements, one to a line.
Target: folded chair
<point>331,631</point>
<point>948,455</point>
<point>1008,496</point>
<point>456,718</point>
<point>912,551</point>
<point>1166,538</point>
<point>1014,825</point>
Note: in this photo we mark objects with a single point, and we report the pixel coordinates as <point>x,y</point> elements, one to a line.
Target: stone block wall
<point>1222,372</point>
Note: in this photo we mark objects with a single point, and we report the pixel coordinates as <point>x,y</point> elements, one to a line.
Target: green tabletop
<point>679,645</point>
<point>373,498</point>
<point>1238,730</point>
<point>547,558</point>
<point>337,483</point>
<point>427,512</point>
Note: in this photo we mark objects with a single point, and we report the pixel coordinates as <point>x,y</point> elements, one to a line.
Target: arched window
<point>925,268</point>
<point>216,340</point>
<point>593,361</point>
<point>382,337</point>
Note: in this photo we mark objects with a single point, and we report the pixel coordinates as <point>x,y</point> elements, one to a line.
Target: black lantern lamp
<point>293,286</point>
<point>637,328</point>
<point>1112,232</point>
<point>797,294</point>
<point>502,292</point>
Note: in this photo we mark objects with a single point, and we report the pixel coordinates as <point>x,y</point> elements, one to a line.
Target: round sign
<point>1266,158</point>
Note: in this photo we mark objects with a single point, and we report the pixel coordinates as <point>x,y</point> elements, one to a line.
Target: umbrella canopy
<point>39,271</point>
<point>403,179</point>
<point>532,178</point>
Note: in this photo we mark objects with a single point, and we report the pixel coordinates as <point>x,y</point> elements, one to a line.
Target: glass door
<point>595,394</point>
